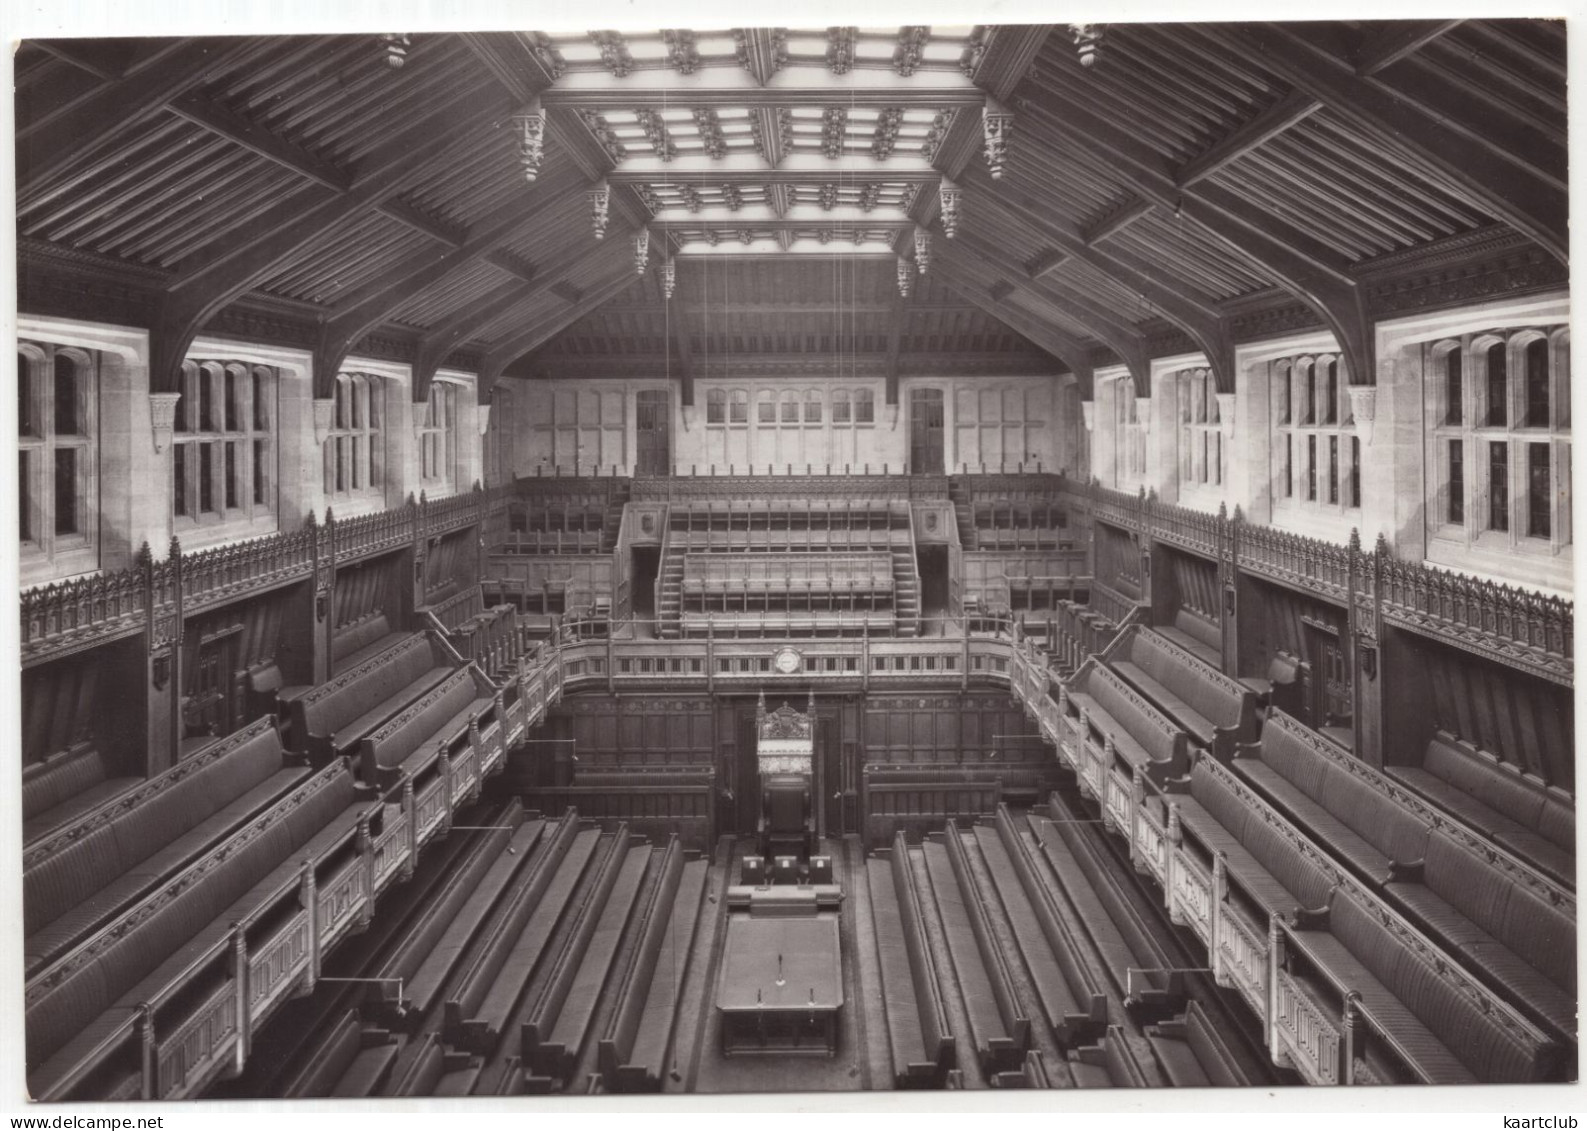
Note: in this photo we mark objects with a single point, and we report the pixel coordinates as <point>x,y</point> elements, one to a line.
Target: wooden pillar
<point>162,662</point>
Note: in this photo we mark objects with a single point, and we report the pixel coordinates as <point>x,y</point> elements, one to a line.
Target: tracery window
<point>57,473</point>
<point>354,448</point>
<point>1130,468</point>
<point>223,446</point>
<point>436,432</point>
<point>1500,447</point>
<point>864,406</point>
<point>1315,455</point>
<point>1201,431</point>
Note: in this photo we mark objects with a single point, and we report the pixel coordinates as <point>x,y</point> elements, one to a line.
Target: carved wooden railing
<point>822,481</point>
<point>1200,531</point>
<point>1511,625</point>
<point>84,611</point>
<point>68,616</point>
<point>275,965</point>
<point>182,1059</point>
<point>1523,629</point>
<point>1308,563</point>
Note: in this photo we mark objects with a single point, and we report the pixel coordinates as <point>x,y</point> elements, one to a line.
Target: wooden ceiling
<point>1194,186</point>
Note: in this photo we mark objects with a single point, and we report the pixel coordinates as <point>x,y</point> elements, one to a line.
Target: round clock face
<point>786,661</point>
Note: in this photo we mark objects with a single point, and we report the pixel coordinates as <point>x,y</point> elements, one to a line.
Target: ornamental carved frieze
<point>1526,272</point>
<point>937,132</point>
<point>529,131</point>
<point>997,124</point>
<point>949,197</point>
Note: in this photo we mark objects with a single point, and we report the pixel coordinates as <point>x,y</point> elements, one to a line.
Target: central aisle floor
<point>862,1035</point>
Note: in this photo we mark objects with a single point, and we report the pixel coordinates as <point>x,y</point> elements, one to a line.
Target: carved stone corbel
<point>1226,402</point>
<point>1364,408</point>
<point>324,415</point>
<point>162,417</point>
<point>997,122</point>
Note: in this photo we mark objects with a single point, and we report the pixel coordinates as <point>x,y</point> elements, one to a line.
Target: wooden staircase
<point>616,501</point>
<point>669,595</point>
<point>962,513</point>
<point>906,589</point>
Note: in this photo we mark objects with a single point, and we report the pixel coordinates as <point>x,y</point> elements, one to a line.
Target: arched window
<point>437,436</point>
<point>740,407</point>
<point>1537,383</point>
<point>1454,386</point>
<point>57,410</point>
<point>716,406</point>
<point>864,406</point>
<point>841,412</point>
<point>223,452</point>
<point>1316,458</point>
<point>813,406</point>
<point>1497,363</point>
<point>354,449</point>
<point>790,407</point>
<point>1201,454</point>
<point>1493,471</point>
<point>766,407</point>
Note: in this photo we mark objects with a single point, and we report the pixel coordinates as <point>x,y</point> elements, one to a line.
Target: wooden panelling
<point>622,733</point>
<point>968,729</point>
<point>1195,582</point>
<point>367,587</point>
<point>59,704</point>
<point>1272,620</point>
<point>1118,560</point>
<point>1525,721</point>
<point>448,565</point>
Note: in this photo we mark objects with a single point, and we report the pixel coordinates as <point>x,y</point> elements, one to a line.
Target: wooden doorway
<point>1331,701</point>
<point>652,426</point>
<point>926,422</point>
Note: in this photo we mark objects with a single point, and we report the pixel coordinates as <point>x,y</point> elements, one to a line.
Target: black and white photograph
<point>668,562</point>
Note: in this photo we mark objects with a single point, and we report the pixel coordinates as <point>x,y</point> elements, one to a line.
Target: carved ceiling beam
<point>1316,276</point>
<point>53,139</point>
<point>1008,53</point>
<point>404,212</point>
<point>297,225</point>
<point>1123,213</point>
<point>1397,39</point>
<point>1293,108</point>
<point>1098,319</point>
<point>768,126</point>
<point>1115,148</point>
<point>749,170</point>
<point>1442,130</point>
<point>617,276</point>
<point>223,122</point>
<point>1190,312</point>
<point>1042,322</point>
<point>86,55</point>
<point>369,306</point>
<point>441,340</point>
<point>717,88</point>
<point>783,309</point>
<point>509,264</point>
<point>761,51</point>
